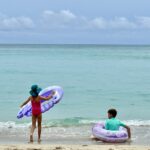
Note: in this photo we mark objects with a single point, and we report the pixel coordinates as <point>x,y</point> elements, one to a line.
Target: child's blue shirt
<point>113,124</point>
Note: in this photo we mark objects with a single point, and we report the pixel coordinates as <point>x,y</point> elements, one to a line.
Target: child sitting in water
<point>113,124</point>
<point>36,109</point>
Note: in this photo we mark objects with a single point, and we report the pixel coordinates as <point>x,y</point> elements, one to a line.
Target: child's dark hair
<point>113,112</point>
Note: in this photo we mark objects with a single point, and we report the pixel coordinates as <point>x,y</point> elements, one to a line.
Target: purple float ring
<point>104,135</point>
<point>45,105</point>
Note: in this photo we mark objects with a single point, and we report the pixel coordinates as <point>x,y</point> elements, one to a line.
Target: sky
<point>75,21</point>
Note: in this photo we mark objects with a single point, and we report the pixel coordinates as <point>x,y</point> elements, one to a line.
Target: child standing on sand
<point>36,109</point>
<point>113,124</point>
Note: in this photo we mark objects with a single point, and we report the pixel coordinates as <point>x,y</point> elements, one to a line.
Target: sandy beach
<point>71,147</point>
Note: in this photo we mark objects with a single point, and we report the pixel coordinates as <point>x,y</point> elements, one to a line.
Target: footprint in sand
<point>58,147</point>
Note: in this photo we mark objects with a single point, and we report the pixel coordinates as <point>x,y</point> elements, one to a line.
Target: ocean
<point>94,78</point>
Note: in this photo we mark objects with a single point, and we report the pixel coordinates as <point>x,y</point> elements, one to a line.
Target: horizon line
<point>109,44</point>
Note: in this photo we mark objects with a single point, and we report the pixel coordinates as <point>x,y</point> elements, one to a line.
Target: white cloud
<point>67,14</point>
<point>143,22</point>
<point>121,23</point>
<point>15,23</point>
<point>58,19</point>
<point>67,19</point>
<point>99,23</point>
<point>115,23</point>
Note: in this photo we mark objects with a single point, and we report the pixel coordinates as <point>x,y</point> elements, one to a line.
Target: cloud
<point>121,23</point>
<point>15,23</point>
<point>143,22</point>
<point>115,23</point>
<point>58,19</point>
<point>67,19</point>
<point>99,23</point>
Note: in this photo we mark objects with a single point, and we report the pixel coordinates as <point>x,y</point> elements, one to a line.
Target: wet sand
<point>71,147</point>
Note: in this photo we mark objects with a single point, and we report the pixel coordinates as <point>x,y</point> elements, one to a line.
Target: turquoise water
<point>94,78</point>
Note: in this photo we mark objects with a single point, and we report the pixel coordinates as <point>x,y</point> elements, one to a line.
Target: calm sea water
<point>94,78</point>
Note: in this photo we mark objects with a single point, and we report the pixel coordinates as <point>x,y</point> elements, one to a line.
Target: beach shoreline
<point>76,135</point>
<point>71,147</point>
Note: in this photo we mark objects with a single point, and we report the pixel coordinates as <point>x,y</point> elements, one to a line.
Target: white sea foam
<point>62,123</point>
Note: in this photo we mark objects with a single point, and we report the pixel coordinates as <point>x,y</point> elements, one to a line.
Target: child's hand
<point>21,106</point>
<point>53,93</point>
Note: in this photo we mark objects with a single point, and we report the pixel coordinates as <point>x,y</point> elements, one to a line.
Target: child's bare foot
<point>39,140</point>
<point>93,138</point>
<point>31,138</point>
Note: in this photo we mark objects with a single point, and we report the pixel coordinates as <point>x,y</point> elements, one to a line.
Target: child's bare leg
<point>33,127</point>
<point>39,127</point>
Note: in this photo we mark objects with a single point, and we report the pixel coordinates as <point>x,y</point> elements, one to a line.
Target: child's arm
<point>47,98</point>
<point>128,130</point>
<point>24,103</point>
